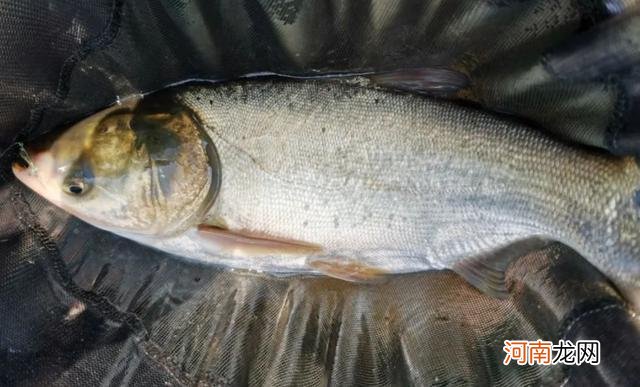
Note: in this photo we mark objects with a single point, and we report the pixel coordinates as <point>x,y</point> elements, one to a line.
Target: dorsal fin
<point>427,80</point>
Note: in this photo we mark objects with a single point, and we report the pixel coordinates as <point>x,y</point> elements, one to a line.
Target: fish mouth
<point>34,169</point>
<point>37,172</point>
<point>19,167</point>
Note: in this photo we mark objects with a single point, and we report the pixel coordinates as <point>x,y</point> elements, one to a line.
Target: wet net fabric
<point>79,306</point>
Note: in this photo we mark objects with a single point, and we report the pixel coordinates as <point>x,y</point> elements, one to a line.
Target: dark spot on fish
<point>328,88</point>
<point>335,222</point>
<point>290,105</point>
<point>210,102</point>
<point>305,223</point>
<point>376,101</point>
<point>244,137</point>
<point>585,229</point>
<point>324,130</point>
<point>197,279</point>
<point>441,318</point>
<point>198,98</point>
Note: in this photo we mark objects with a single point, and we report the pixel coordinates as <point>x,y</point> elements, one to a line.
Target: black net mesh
<point>79,306</point>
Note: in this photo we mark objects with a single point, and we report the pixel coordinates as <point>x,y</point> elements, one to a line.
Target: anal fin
<point>487,271</point>
<point>346,269</point>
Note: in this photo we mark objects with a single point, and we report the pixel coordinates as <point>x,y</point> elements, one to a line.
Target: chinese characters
<point>546,353</point>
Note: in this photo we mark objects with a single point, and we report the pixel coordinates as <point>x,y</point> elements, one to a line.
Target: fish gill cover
<point>81,306</point>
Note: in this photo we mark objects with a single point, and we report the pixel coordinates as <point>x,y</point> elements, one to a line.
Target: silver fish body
<point>398,182</point>
<point>406,183</point>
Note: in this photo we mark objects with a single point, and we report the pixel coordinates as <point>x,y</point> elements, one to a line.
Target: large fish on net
<point>336,178</point>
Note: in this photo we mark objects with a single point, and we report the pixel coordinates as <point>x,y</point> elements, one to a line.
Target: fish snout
<point>35,169</point>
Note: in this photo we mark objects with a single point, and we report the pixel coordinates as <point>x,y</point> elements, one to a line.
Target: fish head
<point>132,168</point>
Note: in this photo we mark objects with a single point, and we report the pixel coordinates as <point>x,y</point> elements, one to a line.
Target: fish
<point>322,177</point>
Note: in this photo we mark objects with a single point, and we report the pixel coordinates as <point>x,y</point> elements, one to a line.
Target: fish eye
<point>76,187</point>
<point>79,181</point>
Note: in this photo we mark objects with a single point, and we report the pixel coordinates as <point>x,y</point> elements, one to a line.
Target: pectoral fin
<point>487,271</point>
<point>247,244</point>
<point>346,269</point>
